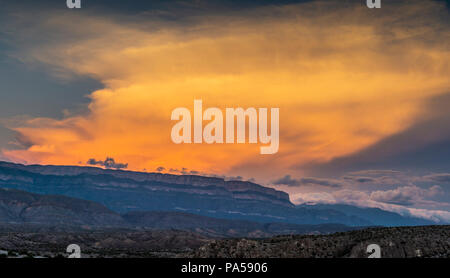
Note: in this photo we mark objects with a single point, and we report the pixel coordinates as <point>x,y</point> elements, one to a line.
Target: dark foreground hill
<point>51,242</point>
<point>127,191</point>
<point>426,241</point>
<point>399,242</point>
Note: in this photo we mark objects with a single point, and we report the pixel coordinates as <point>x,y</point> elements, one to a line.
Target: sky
<point>363,93</point>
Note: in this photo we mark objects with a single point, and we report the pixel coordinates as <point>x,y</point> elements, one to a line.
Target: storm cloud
<point>425,146</point>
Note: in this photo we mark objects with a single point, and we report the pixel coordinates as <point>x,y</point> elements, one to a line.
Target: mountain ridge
<point>194,180</point>
<point>126,191</point>
<point>24,209</point>
<point>17,206</point>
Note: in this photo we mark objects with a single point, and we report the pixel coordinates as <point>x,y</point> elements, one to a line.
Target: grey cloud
<point>109,163</point>
<point>323,182</point>
<point>177,171</point>
<point>445,177</point>
<point>289,181</point>
<point>374,173</point>
<point>186,171</point>
<point>22,141</point>
<point>360,179</point>
<point>393,197</point>
<point>230,178</point>
<point>405,196</point>
<point>390,200</point>
<point>183,171</point>
<point>402,192</point>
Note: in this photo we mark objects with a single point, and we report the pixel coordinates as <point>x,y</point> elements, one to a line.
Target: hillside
<point>22,209</point>
<point>410,242</point>
<point>399,242</point>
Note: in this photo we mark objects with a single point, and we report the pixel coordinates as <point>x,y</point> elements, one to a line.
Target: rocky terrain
<point>37,242</point>
<point>398,242</point>
<point>403,242</point>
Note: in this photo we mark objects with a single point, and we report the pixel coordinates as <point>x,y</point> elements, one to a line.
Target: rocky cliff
<point>157,181</point>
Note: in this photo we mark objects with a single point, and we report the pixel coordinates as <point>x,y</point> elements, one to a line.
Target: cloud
<point>443,177</point>
<point>374,173</point>
<point>230,178</point>
<point>364,199</point>
<point>423,146</point>
<point>405,196</point>
<point>408,194</point>
<point>360,179</point>
<point>182,171</point>
<point>350,196</point>
<point>287,180</point>
<point>314,198</point>
<point>186,171</point>
<point>321,181</point>
<point>343,77</point>
<point>109,163</point>
<point>160,169</point>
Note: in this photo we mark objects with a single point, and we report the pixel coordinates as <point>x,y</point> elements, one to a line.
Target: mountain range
<point>127,192</point>
<point>29,211</point>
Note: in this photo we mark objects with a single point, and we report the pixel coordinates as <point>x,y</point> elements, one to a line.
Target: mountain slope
<point>397,242</point>
<point>27,211</point>
<point>377,216</point>
<point>23,207</point>
<point>125,191</point>
<point>224,227</point>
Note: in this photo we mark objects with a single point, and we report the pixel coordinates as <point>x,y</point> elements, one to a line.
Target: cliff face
<point>157,181</point>
<point>124,191</point>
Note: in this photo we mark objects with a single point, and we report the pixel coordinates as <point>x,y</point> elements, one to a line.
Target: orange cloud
<point>343,78</point>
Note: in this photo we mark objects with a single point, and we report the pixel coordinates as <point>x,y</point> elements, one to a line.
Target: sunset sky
<point>364,94</point>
